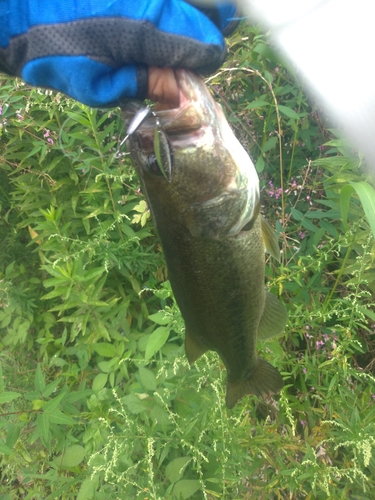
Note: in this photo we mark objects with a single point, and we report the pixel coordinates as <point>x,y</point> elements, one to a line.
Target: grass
<point>97,399</point>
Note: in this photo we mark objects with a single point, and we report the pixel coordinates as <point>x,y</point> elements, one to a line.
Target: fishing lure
<point>162,147</point>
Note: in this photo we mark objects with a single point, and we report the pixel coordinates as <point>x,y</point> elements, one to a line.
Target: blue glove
<point>98,51</point>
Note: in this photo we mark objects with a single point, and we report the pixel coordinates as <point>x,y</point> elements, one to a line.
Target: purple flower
<point>303,422</point>
<point>319,344</point>
<point>302,235</point>
<point>1,110</point>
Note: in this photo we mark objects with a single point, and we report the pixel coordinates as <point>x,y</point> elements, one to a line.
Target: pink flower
<point>319,344</point>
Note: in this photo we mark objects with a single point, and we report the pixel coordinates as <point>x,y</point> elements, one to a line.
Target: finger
<point>162,86</point>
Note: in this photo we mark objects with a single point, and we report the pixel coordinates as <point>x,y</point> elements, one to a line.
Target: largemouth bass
<point>206,213</point>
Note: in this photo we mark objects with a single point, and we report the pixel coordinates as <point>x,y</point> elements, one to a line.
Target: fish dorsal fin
<point>274,318</point>
<point>270,239</point>
<point>194,348</point>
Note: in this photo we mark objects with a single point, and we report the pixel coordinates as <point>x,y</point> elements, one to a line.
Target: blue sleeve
<point>98,51</point>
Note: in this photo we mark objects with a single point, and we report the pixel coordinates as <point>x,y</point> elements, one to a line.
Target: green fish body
<point>213,237</point>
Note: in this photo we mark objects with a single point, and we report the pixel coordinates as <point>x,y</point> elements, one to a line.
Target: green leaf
<point>309,225</point>
<point>156,341</point>
<point>258,103</point>
<point>53,403</point>
<point>13,432</point>
<point>175,469</point>
<point>134,404</point>
<point>39,382</point>
<point>147,378</point>
<point>272,141</point>
<point>345,195</point>
<point>87,489</point>
<point>92,273</point>
<point>80,118</point>
<point>57,292</point>
<point>4,449</point>
<point>6,397</point>
<point>366,194</point>
<point>260,164</point>
<point>42,423</point>
<point>330,228</point>
<point>58,417</point>
<point>108,366</point>
<point>71,457</point>
<point>99,381</point>
<point>367,312</point>
<point>160,318</point>
<point>50,388</point>
<point>74,396</point>
<point>297,215</point>
<point>289,112</point>
<point>2,385</point>
<point>186,488</point>
<point>106,350</point>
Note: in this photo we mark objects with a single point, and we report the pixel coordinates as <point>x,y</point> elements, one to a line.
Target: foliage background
<point>97,400</point>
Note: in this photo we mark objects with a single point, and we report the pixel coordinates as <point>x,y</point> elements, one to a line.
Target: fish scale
<point>213,238</point>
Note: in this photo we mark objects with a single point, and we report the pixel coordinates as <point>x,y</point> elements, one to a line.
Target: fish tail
<point>264,380</point>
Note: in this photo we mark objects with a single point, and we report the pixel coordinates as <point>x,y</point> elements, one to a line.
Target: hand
<point>162,86</point>
<point>100,52</point>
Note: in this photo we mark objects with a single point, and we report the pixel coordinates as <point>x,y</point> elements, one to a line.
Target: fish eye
<point>152,165</point>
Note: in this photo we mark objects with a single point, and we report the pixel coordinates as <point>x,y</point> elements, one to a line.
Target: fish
<point>207,215</point>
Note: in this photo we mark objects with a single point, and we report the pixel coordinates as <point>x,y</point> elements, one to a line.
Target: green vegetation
<point>97,400</point>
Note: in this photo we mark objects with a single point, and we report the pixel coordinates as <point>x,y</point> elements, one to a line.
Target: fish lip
<point>192,114</point>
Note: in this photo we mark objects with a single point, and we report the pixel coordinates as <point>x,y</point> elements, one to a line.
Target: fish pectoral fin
<point>270,239</point>
<point>194,348</point>
<point>274,318</point>
<point>264,380</point>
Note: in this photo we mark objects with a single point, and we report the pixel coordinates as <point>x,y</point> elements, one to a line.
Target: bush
<point>97,398</point>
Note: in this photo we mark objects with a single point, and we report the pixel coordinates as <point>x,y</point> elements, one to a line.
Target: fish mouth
<point>194,111</point>
<point>231,203</point>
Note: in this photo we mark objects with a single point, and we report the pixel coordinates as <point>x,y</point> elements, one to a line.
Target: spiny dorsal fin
<point>274,318</point>
<point>270,239</point>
